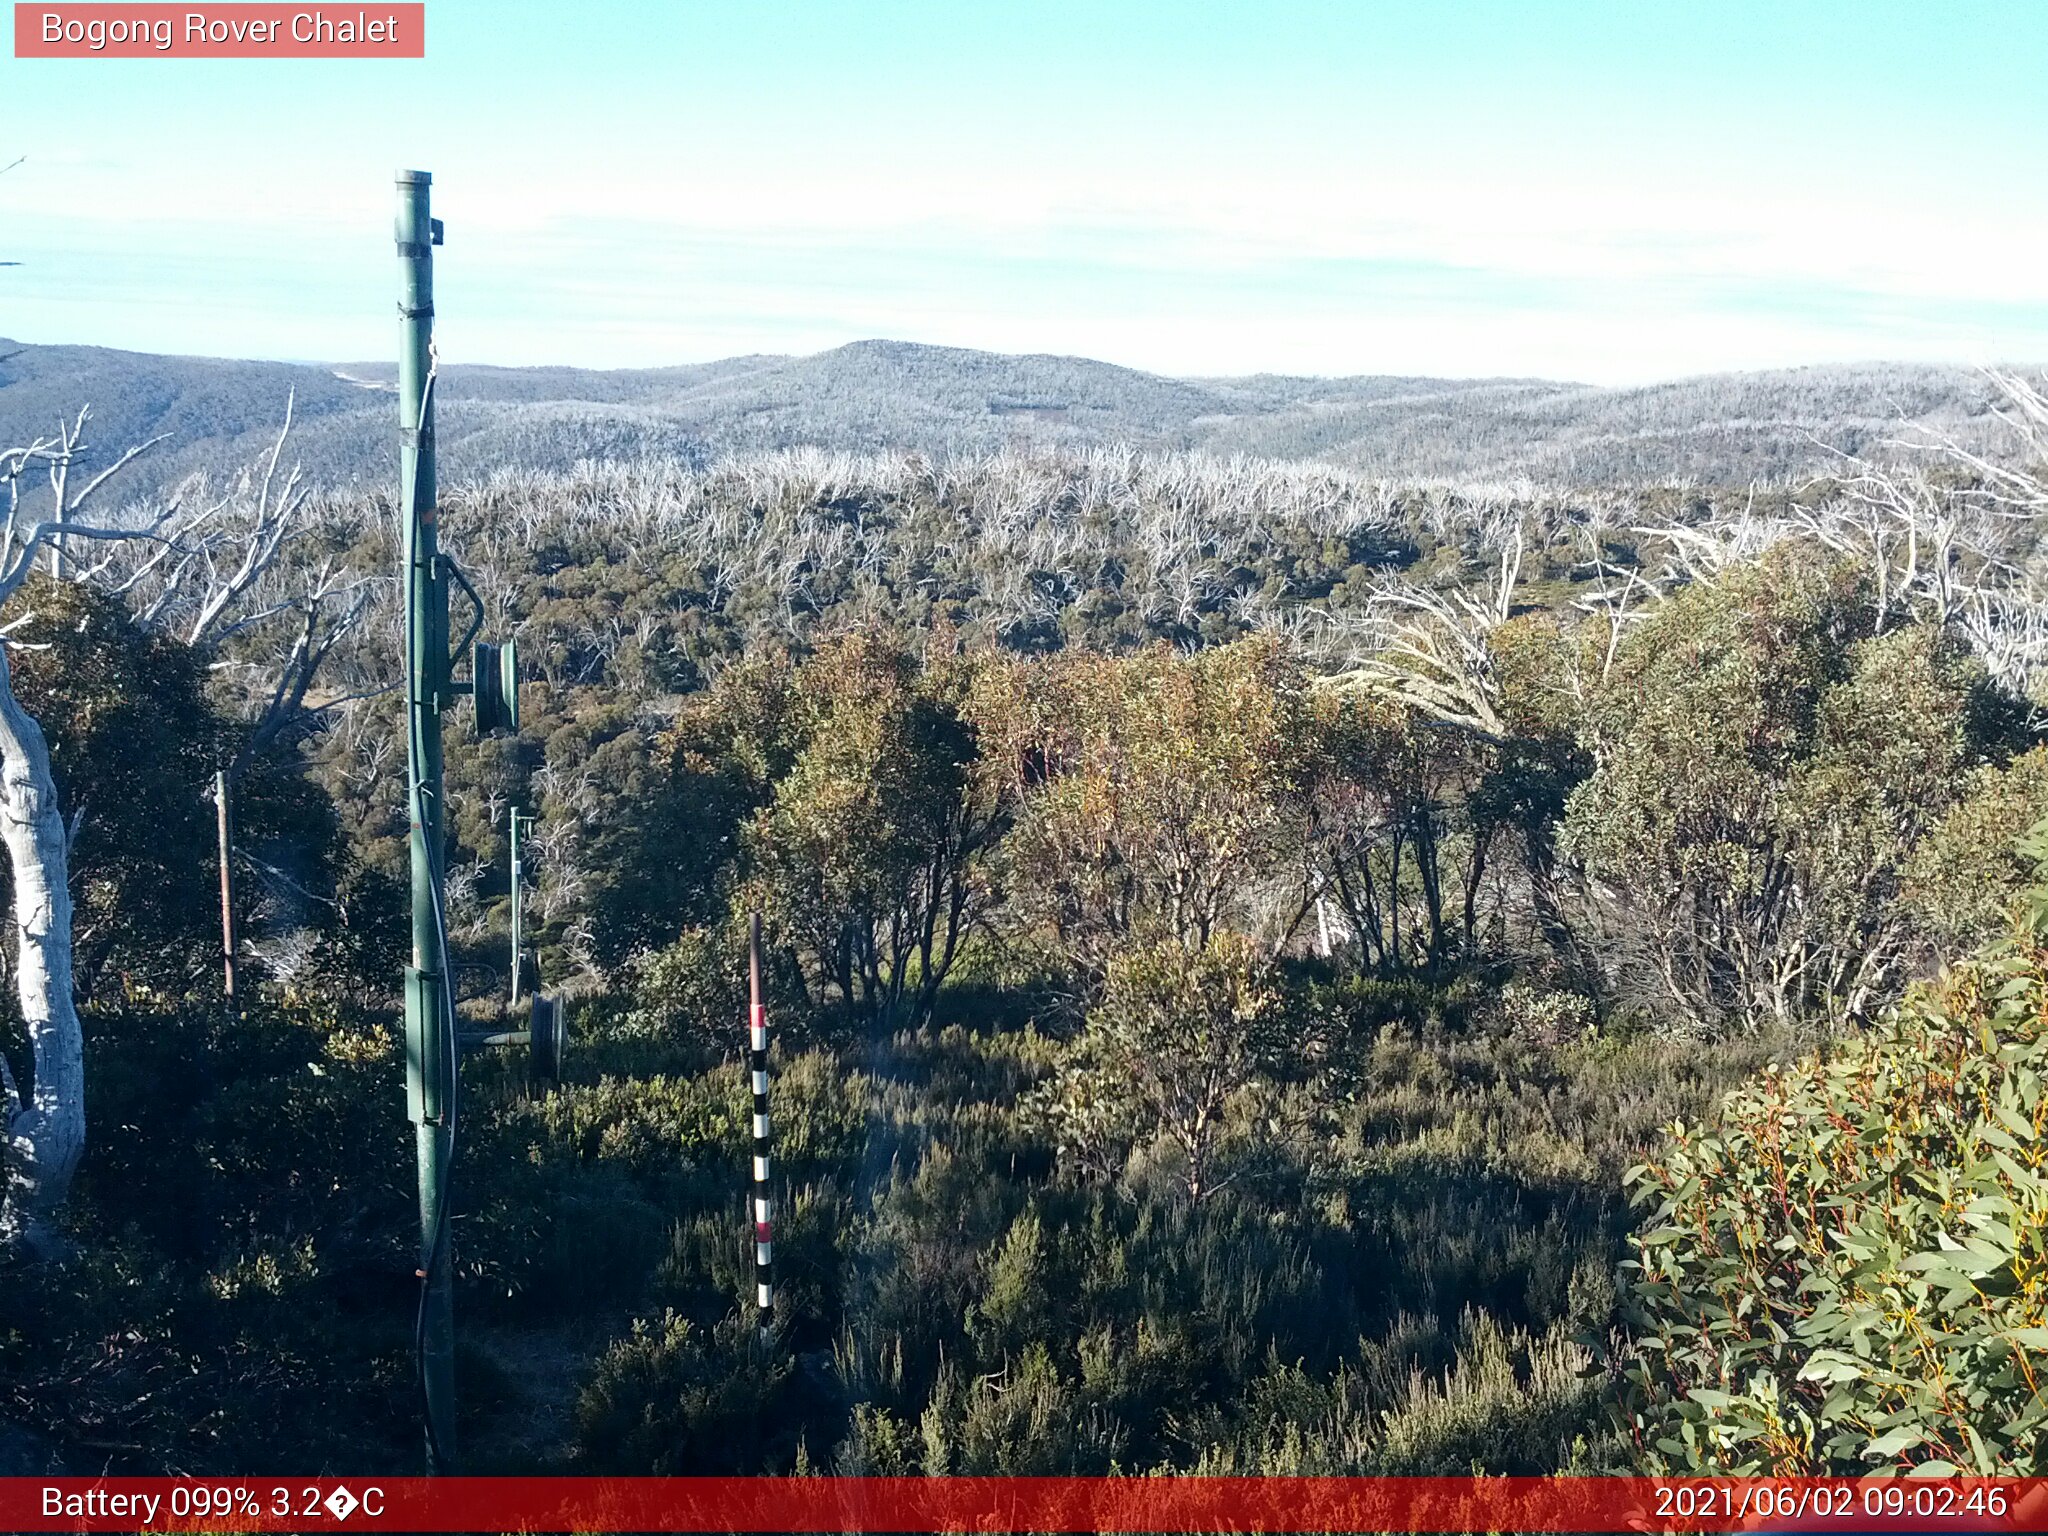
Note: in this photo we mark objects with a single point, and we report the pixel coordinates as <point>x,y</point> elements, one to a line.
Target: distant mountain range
<point>1723,428</point>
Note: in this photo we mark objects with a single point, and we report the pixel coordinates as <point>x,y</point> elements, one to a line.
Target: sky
<point>1608,192</point>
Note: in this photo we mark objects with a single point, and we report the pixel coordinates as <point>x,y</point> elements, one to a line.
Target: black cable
<point>436,1245</point>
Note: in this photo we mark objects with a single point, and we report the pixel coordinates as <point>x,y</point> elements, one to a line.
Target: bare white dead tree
<point>1434,654</point>
<point>207,568</point>
<point>45,1119</point>
<point>1623,597</point>
<point>58,455</point>
<point>217,578</point>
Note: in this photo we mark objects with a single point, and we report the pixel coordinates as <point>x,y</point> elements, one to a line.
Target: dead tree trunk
<point>43,1121</point>
<point>46,1119</point>
<point>229,946</point>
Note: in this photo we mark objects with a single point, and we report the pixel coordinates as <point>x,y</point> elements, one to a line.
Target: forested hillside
<point>1240,932</point>
<point>875,396</point>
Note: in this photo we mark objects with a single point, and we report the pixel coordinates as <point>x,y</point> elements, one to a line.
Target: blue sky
<point>1610,192</point>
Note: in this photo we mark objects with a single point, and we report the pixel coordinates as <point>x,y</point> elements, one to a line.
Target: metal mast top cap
<point>415,178</point>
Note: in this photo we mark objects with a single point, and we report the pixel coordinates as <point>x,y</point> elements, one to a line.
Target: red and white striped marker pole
<point>764,1207</point>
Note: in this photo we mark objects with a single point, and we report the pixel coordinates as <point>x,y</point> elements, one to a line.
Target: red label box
<point>1808,1506</point>
<point>375,30</point>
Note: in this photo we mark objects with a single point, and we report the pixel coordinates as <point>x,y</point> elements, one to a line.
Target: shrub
<point>1177,1036</point>
<point>1766,762</point>
<point>672,1400</point>
<point>1964,875</point>
<point>692,991</point>
<point>1852,1270</point>
<point>1544,1015</point>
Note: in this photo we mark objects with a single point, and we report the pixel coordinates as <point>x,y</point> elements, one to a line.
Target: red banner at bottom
<point>918,1504</point>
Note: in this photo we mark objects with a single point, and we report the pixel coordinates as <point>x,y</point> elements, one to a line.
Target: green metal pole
<point>429,1043</point>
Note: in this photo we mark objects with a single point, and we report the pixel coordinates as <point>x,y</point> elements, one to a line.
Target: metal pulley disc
<point>546,1040</point>
<point>496,686</point>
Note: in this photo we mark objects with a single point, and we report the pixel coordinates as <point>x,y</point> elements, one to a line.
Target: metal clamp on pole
<point>426,1065</point>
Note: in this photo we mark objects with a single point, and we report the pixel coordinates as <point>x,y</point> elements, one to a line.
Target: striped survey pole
<point>764,1208</point>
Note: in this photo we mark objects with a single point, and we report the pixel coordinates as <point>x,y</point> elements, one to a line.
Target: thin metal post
<point>764,1206</point>
<point>518,905</point>
<point>229,947</point>
<point>430,1047</point>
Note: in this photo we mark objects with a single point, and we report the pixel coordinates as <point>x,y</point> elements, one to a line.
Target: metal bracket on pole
<point>426,1064</point>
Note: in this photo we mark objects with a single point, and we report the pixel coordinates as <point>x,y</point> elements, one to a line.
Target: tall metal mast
<point>429,1017</point>
<point>431,1045</point>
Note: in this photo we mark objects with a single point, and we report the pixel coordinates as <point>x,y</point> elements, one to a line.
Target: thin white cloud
<point>1217,270</point>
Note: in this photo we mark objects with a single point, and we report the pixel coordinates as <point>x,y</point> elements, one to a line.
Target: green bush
<point>1851,1272</point>
<point>672,1399</point>
<point>1964,875</point>
<point>692,991</point>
